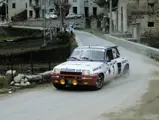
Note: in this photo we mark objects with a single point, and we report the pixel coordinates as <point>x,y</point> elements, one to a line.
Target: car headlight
<point>86,72</point>
<point>56,71</point>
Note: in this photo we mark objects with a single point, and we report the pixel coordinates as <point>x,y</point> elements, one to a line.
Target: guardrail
<point>135,47</point>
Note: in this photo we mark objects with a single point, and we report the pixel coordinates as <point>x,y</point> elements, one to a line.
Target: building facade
<point>136,16</point>
<point>36,8</point>
<point>15,7</point>
<point>85,7</point>
<point>144,14</point>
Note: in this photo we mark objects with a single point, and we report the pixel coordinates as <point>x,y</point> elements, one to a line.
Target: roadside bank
<point>40,70</point>
<point>148,109</point>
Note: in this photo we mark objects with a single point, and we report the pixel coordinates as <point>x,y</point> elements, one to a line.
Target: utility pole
<point>50,26</point>
<point>61,14</point>
<point>6,9</point>
<point>110,19</point>
<point>44,27</point>
<point>61,23</point>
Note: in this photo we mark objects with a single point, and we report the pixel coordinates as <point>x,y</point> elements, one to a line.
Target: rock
<point>27,83</point>
<point>9,92</point>
<point>25,80</point>
<point>12,83</point>
<point>9,72</point>
<point>22,80</point>
<point>34,77</point>
<point>22,83</point>
<point>17,84</point>
<point>18,78</point>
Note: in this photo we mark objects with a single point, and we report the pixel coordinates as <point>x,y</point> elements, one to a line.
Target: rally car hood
<point>84,65</point>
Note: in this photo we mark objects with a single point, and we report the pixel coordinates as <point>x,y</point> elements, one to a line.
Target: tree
<point>103,3</point>
<point>62,7</point>
<point>65,7</point>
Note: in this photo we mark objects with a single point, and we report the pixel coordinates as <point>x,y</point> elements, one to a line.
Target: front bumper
<point>81,80</point>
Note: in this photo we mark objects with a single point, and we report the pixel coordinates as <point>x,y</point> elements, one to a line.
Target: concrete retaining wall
<point>135,47</point>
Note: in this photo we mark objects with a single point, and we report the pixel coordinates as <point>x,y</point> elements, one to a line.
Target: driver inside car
<point>107,58</point>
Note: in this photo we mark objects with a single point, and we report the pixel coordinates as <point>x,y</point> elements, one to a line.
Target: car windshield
<point>87,55</point>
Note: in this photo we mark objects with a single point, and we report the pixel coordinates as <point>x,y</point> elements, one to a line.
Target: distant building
<point>85,7</point>
<point>36,8</point>
<point>136,16</point>
<point>15,7</point>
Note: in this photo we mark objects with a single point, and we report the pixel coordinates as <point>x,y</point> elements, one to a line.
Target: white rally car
<point>90,66</point>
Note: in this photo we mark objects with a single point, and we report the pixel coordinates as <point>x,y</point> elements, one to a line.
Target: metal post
<point>44,27</point>
<point>110,19</point>
<point>49,14</point>
<point>50,26</point>
<point>6,7</point>
<point>60,13</point>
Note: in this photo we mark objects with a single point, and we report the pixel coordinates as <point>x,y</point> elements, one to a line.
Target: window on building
<point>86,10</point>
<point>30,2</point>
<point>30,13</point>
<point>94,11</point>
<point>13,5</point>
<point>151,7</point>
<point>26,5</point>
<point>150,24</point>
<point>75,10</point>
<point>51,10</point>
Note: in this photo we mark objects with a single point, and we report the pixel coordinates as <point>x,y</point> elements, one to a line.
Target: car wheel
<point>99,82</point>
<point>58,86</point>
<point>126,70</point>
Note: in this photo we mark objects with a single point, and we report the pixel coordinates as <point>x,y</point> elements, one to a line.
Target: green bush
<point>64,38</point>
<point>3,82</point>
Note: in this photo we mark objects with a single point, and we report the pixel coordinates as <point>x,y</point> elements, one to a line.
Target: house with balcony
<point>85,7</point>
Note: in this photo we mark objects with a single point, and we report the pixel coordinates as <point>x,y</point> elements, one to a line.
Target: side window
<point>115,53</point>
<point>109,55</point>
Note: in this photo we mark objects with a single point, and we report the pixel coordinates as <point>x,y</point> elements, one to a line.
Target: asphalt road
<point>51,104</point>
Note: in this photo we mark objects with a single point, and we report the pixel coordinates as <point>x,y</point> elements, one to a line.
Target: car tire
<point>59,87</point>
<point>99,82</point>
<point>126,70</point>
